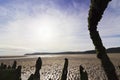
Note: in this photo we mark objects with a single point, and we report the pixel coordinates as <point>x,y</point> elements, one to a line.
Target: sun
<point>45,33</point>
<point>45,30</point>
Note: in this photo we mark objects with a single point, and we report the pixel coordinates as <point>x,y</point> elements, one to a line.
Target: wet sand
<point>53,65</point>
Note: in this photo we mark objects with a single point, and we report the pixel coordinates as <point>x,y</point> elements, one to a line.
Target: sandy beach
<point>53,65</point>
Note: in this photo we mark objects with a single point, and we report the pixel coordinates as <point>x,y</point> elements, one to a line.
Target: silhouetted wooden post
<point>83,74</point>
<point>18,72</point>
<point>65,70</point>
<point>1,66</point>
<point>38,67</point>
<point>9,67</point>
<point>10,73</point>
<point>4,66</point>
<point>36,75</point>
<point>96,11</point>
<point>14,65</point>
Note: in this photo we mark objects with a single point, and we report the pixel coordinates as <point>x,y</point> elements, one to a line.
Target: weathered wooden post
<point>65,70</point>
<point>96,11</point>
<point>36,75</point>
<point>14,65</point>
<point>83,74</point>
<point>10,72</point>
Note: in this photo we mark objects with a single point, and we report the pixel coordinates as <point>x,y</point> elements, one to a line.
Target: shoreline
<point>53,65</point>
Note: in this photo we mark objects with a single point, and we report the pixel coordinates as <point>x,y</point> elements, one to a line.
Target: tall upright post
<point>65,70</point>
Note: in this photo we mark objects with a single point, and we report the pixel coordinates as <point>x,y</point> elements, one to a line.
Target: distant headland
<point>109,50</point>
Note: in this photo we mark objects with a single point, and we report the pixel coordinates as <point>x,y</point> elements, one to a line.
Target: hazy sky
<point>53,26</point>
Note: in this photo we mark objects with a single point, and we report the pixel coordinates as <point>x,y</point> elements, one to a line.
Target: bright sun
<point>45,30</point>
<point>45,33</point>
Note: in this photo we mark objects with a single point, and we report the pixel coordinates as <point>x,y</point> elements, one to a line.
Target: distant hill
<point>113,50</point>
<point>109,50</point>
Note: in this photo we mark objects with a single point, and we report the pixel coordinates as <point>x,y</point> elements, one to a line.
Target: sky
<point>53,26</point>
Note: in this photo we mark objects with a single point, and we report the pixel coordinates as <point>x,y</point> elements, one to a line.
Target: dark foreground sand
<point>52,66</point>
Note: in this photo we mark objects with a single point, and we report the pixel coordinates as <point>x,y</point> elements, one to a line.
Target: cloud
<point>25,27</point>
<point>54,25</point>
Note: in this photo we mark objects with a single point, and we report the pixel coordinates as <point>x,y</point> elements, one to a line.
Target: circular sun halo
<point>45,30</point>
<point>45,34</point>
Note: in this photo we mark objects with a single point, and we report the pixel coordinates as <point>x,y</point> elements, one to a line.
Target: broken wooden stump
<point>83,74</point>
<point>10,72</point>
<point>36,75</point>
